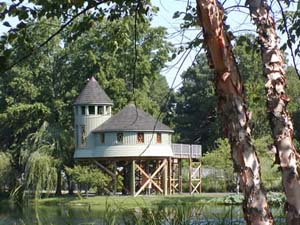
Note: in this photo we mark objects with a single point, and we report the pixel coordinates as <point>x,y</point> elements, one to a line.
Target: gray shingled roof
<point>132,119</point>
<point>92,94</point>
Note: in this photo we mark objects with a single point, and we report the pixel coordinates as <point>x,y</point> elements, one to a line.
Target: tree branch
<point>289,38</point>
<point>52,36</point>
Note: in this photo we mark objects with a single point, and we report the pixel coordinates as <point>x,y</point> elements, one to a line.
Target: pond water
<point>90,215</point>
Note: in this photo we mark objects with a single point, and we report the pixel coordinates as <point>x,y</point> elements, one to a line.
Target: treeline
<point>36,95</point>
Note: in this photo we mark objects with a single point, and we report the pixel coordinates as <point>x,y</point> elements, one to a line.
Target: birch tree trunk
<point>277,100</point>
<point>232,105</point>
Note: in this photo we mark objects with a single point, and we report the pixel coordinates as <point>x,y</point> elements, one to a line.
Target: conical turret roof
<point>132,119</point>
<point>93,94</point>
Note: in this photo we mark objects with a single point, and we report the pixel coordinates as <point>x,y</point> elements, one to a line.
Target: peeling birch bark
<point>229,89</point>
<point>277,100</point>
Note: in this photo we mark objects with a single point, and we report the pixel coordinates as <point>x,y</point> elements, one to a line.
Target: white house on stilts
<point>130,143</point>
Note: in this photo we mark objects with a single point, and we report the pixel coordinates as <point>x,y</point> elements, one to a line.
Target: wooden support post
<point>132,178</point>
<point>163,167</point>
<point>165,177</point>
<point>196,177</point>
<point>180,175</point>
<point>190,176</point>
<point>115,177</point>
<point>200,178</point>
<point>169,176</point>
<point>104,168</point>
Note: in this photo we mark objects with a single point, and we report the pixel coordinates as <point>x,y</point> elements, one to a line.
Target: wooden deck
<point>184,151</point>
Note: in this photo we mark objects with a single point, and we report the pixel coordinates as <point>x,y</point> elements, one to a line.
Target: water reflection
<point>85,214</point>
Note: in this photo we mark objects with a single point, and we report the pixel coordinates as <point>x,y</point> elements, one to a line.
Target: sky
<point>239,21</point>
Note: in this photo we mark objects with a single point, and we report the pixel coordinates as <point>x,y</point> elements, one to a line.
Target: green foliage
<point>6,170</point>
<point>90,176</point>
<point>247,54</point>
<point>195,116</point>
<point>294,105</point>
<point>270,174</point>
<point>219,159</point>
<point>40,174</point>
<point>36,95</point>
<point>127,66</point>
<point>213,183</point>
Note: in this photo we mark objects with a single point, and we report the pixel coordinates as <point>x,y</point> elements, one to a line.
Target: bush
<point>89,177</point>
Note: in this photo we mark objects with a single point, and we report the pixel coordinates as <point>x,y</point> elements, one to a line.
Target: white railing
<point>186,151</point>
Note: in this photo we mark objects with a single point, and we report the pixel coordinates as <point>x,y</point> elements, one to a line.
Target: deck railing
<point>186,151</point>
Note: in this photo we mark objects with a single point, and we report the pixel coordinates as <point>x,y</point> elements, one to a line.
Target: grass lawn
<point>129,202</point>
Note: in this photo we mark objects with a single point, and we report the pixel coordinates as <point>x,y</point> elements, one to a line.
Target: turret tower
<point>91,108</point>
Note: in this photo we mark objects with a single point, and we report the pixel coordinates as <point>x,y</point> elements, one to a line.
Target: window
<point>119,138</point>
<point>83,136</point>
<point>100,110</point>
<point>102,138</point>
<point>82,110</point>
<point>140,137</point>
<point>91,110</point>
<point>158,138</point>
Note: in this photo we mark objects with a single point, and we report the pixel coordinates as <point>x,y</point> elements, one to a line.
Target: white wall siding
<point>142,150</point>
<point>165,138</point>
<point>129,138</point>
<point>110,138</point>
<point>90,122</point>
<point>129,148</point>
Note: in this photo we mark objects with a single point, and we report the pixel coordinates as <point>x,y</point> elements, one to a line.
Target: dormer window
<point>82,110</point>
<point>140,137</point>
<point>102,138</point>
<point>158,138</point>
<point>120,138</point>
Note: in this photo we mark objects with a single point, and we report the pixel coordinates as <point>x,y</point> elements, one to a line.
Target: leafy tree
<point>127,64</point>
<point>40,174</point>
<point>219,158</point>
<point>247,55</point>
<point>6,170</point>
<point>88,176</point>
<point>196,118</point>
<point>37,95</point>
<point>195,101</point>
